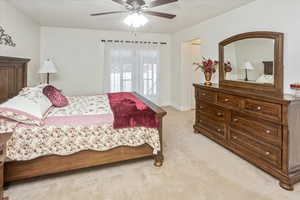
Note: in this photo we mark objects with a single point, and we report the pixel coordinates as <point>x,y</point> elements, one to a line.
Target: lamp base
<point>48,78</point>
<point>246,74</point>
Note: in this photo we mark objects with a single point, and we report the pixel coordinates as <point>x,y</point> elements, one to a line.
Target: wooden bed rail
<point>158,110</point>
<point>3,139</point>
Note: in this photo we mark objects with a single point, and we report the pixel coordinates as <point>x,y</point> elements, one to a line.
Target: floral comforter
<point>85,124</point>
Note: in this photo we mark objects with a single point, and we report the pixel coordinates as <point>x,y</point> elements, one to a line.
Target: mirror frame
<point>265,89</point>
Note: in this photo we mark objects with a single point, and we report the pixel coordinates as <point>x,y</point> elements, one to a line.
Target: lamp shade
<point>48,67</point>
<point>248,66</point>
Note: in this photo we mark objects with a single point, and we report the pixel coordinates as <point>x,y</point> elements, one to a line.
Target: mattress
<point>85,124</point>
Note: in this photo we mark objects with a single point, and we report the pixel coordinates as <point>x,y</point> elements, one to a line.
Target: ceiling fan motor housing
<point>140,6</point>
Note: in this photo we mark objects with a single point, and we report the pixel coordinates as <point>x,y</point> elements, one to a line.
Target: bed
<point>83,145</point>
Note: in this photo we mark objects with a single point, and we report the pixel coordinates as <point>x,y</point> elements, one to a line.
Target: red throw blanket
<point>129,111</point>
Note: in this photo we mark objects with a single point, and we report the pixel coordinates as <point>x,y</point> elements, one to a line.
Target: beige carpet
<point>195,168</point>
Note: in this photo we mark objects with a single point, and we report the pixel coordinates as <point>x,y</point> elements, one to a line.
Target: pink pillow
<point>55,96</point>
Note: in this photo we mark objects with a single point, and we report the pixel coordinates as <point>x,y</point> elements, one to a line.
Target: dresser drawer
<point>212,111</point>
<point>217,129</point>
<point>266,110</point>
<point>229,100</point>
<point>265,131</point>
<point>206,95</point>
<point>254,150</point>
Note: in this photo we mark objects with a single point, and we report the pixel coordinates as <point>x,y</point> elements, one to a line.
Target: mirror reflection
<point>250,60</point>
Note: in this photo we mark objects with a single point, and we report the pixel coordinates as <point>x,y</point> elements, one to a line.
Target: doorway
<point>190,53</point>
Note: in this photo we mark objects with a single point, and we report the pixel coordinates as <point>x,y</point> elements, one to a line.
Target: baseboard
<point>182,108</point>
<point>165,104</point>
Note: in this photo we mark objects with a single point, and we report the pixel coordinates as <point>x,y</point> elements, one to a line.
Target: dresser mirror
<point>253,62</point>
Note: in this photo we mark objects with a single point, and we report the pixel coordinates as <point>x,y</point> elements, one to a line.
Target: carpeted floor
<point>195,168</point>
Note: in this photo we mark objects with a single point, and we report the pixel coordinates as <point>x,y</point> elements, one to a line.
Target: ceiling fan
<point>136,9</point>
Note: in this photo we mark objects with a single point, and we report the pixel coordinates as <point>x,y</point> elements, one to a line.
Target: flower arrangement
<point>227,67</point>
<point>296,87</point>
<point>207,65</point>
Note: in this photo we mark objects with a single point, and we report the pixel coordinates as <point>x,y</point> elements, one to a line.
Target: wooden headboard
<point>13,76</point>
<point>268,67</point>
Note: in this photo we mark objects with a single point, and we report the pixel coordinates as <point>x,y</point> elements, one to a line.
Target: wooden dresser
<point>261,129</point>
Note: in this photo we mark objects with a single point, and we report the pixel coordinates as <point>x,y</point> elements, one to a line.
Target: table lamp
<point>247,66</point>
<point>48,68</point>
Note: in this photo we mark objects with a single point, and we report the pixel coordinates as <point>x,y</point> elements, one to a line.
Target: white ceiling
<point>75,13</point>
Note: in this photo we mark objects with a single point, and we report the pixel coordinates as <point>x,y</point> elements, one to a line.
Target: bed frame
<point>13,76</point>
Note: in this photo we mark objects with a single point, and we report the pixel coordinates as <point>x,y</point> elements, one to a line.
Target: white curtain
<point>132,67</point>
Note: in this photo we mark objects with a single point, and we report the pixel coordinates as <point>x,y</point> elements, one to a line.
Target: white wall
<point>196,58</point>
<point>79,56</point>
<point>268,15</point>
<point>25,33</point>
<point>186,53</point>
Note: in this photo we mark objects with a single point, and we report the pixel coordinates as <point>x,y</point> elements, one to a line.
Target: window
<point>132,68</point>
<point>121,78</point>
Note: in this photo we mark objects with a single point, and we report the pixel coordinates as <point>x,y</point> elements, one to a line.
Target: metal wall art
<point>5,39</point>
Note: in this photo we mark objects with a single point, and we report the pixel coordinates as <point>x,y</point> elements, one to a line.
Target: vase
<point>227,76</point>
<point>208,76</point>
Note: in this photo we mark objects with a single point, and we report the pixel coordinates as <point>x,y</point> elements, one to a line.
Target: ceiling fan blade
<point>108,13</point>
<point>160,14</point>
<point>120,2</point>
<point>160,3</point>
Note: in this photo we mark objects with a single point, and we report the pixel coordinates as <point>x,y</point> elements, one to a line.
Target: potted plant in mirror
<point>208,66</point>
<point>227,68</point>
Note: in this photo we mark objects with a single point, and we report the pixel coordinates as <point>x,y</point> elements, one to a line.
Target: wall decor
<point>6,39</point>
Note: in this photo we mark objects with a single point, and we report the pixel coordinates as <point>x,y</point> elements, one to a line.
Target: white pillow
<point>29,106</point>
<point>265,79</point>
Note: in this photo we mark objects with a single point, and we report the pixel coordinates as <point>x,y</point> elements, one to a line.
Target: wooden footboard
<point>19,170</point>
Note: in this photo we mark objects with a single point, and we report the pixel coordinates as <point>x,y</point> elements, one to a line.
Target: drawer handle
<point>234,137</point>
<point>226,100</point>
<point>219,130</point>
<point>267,153</point>
<point>219,114</point>
<point>235,120</point>
<point>268,131</point>
<point>1,149</point>
<point>201,107</point>
<point>258,108</point>
<point>203,94</point>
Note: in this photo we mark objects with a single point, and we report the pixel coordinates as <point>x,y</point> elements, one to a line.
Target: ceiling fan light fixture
<point>136,20</point>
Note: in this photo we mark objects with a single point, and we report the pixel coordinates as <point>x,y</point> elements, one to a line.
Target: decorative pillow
<point>55,96</point>
<point>27,90</point>
<point>28,107</point>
